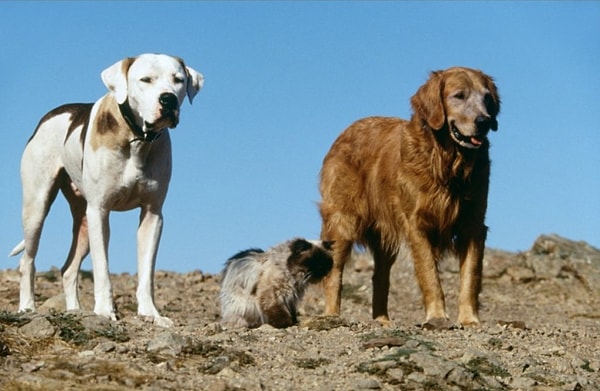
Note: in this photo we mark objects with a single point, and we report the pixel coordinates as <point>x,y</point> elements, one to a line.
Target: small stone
<point>167,342</point>
<point>395,373</point>
<point>367,384</point>
<point>32,366</point>
<point>383,365</point>
<point>384,342</point>
<point>86,354</point>
<point>432,365</point>
<point>461,377</point>
<point>105,347</point>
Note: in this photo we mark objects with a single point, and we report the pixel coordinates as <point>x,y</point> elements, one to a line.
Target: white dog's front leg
<point>99,233</point>
<point>148,237</point>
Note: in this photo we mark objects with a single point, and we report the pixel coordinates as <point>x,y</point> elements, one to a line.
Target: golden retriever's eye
<point>459,95</point>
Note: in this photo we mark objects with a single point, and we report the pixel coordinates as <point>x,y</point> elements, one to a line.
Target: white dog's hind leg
<point>34,213</point>
<point>39,191</point>
<point>148,237</point>
<point>80,246</point>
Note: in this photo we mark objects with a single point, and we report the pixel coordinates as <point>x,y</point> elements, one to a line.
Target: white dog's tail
<point>18,248</point>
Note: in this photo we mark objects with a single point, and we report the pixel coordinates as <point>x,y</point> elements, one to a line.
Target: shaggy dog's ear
<point>428,103</point>
<point>298,246</point>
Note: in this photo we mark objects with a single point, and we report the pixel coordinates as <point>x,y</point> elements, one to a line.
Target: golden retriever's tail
<point>18,249</point>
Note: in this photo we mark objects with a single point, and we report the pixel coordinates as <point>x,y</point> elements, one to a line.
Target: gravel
<point>540,331</point>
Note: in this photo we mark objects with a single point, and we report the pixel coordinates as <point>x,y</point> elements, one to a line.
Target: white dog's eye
<point>178,79</point>
<point>146,80</point>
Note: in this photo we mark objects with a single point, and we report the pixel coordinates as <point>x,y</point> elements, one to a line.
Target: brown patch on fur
<point>126,64</point>
<point>388,181</point>
<point>107,123</point>
<point>110,129</point>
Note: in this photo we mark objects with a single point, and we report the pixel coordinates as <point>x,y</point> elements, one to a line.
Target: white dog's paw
<point>109,315</point>
<point>163,321</point>
<point>106,311</point>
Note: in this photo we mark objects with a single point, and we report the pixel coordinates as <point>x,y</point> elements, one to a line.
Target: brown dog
<point>424,182</point>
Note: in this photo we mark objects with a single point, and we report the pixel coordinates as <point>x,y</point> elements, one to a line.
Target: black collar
<point>127,114</point>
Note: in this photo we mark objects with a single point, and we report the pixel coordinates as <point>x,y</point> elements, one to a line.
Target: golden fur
<point>423,182</point>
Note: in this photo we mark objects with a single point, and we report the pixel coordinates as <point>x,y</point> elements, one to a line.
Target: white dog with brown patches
<point>114,154</point>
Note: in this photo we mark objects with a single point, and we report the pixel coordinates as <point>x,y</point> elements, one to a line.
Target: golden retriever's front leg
<point>471,264</point>
<point>424,261</point>
<point>332,283</point>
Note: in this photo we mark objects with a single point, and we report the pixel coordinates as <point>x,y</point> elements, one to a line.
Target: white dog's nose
<point>168,101</point>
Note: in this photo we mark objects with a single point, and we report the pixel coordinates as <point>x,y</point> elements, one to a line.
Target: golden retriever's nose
<point>483,124</point>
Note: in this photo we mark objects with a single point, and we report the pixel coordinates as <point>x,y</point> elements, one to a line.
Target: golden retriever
<point>423,182</point>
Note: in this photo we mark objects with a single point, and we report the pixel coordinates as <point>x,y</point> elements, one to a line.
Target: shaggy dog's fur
<point>423,182</point>
<point>265,287</point>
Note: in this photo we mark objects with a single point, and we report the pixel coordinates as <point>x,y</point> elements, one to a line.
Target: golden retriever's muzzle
<point>483,125</point>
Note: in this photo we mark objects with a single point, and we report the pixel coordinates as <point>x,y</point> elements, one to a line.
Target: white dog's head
<point>154,86</point>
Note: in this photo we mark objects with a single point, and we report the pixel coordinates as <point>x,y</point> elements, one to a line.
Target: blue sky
<point>282,80</point>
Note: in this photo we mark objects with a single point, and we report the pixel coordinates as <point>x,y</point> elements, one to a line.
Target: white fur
<point>108,168</point>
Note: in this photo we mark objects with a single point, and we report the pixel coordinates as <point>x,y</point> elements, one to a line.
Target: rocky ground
<point>540,331</point>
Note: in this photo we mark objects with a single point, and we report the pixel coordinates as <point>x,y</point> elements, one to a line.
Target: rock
<point>55,303</point>
<point>38,327</point>
<point>381,342</point>
<point>523,383</point>
<point>167,343</point>
<point>367,384</point>
<point>520,273</point>
<point>432,365</point>
<point>461,377</point>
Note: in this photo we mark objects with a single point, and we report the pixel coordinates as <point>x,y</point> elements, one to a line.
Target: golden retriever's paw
<point>469,321</point>
<point>384,321</point>
<point>438,324</point>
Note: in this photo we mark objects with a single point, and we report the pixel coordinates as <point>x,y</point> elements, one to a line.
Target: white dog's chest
<point>123,184</point>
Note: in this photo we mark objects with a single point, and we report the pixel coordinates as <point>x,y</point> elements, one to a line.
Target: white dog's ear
<point>195,83</point>
<point>115,78</point>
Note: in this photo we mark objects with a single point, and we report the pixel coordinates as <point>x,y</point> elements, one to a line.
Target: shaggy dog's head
<point>310,258</point>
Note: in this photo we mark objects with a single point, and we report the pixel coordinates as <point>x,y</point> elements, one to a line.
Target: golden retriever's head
<point>462,100</point>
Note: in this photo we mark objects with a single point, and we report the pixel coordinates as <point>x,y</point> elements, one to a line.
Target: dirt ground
<point>540,331</point>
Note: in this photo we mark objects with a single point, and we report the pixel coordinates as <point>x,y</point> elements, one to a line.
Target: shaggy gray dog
<point>260,287</point>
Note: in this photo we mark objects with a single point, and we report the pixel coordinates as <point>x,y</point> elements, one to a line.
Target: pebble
<point>367,384</point>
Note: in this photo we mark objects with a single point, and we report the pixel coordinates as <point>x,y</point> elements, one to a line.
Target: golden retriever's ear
<point>493,103</point>
<point>428,103</point>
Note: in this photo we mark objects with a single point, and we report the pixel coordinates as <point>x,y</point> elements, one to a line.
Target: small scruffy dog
<point>266,286</point>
